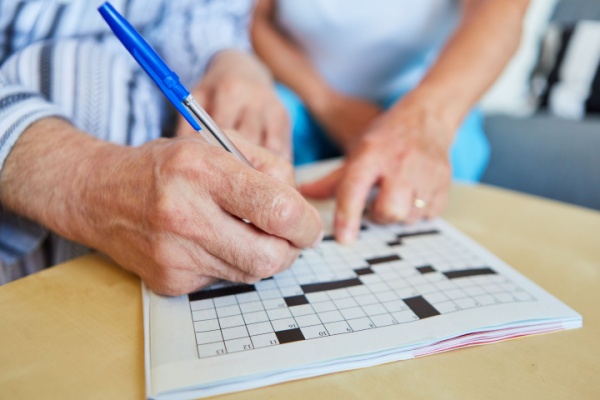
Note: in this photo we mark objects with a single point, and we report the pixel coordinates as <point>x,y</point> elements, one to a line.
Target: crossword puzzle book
<point>400,292</point>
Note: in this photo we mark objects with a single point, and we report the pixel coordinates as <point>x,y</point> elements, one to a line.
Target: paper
<point>400,292</point>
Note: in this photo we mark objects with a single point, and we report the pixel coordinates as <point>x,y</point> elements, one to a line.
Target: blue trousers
<point>469,154</point>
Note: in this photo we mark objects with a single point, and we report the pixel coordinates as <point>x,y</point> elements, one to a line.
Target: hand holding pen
<point>178,223</point>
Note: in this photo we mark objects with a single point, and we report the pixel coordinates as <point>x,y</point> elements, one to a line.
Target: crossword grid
<point>393,275</point>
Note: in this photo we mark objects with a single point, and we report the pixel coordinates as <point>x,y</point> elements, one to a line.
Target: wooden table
<point>75,330</point>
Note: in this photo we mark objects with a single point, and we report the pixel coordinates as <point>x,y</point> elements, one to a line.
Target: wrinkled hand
<point>345,118</point>
<point>406,154</point>
<point>238,93</point>
<point>171,211</point>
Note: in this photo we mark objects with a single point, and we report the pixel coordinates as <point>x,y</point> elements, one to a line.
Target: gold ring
<point>420,203</point>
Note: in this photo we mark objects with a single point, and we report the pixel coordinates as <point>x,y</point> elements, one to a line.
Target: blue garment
<point>469,154</point>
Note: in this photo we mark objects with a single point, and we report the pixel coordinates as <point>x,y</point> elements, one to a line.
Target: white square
<point>228,311</point>
<point>374,309</point>
<point>331,316</point>
<point>485,299</point>
<point>279,313</point>
<point>315,331</point>
<point>336,328</point>
<point>474,291</point>
<point>504,297</point>
<point>345,303</point>
<point>308,320</point>
<point>278,302</point>
<point>247,297</point>
<point>426,288</point>
<point>201,304</point>
<point>466,303</point>
<point>386,296</point>
<point>352,313</point>
<point>360,324</point>
<point>211,350</point>
<point>251,307</point>
<point>284,324</point>
<point>383,320</point>
<point>266,340</point>
<point>324,306</point>
<point>406,293</point>
<point>455,294</point>
<point>260,328</point>
<point>366,300</point>
<point>225,301</point>
<point>379,287</point>
<point>394,306</point>
<point>201,315</point>
<point>208,337</point>
<point>370,279</point>
<point>446,307</point>
<point>302,310</point>
<point>338,293</point>
<point>254,317</point>
<point>492,288</point>
<point>228,322</point>
<point>359,290</point>
<point>435,297</point>
<point>405,316</point>
<point>207,325</point>
<point>233,346</point>
<point>234,333</point>
<point>317,297</point>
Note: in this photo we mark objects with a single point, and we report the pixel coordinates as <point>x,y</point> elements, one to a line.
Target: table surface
<point>75,330</point>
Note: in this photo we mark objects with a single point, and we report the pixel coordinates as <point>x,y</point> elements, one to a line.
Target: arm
<point>171,210</point>
<point>406,150</point>
<point>343,117</point>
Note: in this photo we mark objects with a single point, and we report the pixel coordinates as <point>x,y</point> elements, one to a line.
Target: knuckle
<point>282,211</point>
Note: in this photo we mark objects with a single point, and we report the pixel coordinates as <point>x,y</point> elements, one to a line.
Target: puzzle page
<point>399,292</point>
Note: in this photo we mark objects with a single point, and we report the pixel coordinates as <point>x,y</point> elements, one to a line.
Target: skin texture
<point>170,211</point>
<point>403,151</point>
<point>238,93</point>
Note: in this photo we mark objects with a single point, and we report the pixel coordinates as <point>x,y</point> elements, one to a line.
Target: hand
<point>405,153</point>
<point>344,118</point>
<point>237,91</point>
<point>171,211</point>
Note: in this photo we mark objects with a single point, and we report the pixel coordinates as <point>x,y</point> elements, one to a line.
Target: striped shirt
<point>59,58</point>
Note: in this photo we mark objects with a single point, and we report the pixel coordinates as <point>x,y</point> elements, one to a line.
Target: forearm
<point>471,60</point>
<point>45,175</point>
<point>288,64</point>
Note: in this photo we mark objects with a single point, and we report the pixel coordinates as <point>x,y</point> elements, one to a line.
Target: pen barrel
<point>211,131</point>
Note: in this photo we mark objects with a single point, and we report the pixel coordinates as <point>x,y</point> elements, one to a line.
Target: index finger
<point>351,196</point>
<point>272,206</point>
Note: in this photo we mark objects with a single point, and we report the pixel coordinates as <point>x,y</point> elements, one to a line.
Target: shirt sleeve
<point>192,33</point>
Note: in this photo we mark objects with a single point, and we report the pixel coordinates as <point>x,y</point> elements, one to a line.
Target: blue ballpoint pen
<point>167,81</point>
